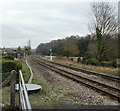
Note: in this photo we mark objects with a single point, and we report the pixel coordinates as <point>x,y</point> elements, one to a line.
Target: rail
<point>98,86</point>
<point>23,94</point>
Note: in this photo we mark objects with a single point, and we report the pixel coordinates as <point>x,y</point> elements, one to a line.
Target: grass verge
<point>5,93</point>
<point>25,71</point>
<point>48,96</point>
<point>43,97</point>
<point>99,69</point>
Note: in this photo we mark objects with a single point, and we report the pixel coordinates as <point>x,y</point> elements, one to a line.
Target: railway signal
<point>50,54</point>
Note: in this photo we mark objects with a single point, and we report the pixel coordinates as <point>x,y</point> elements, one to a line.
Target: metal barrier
<point>23,94</point>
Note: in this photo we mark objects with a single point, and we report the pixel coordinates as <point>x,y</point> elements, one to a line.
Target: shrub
<point>92,61</point>
<point>85,58</point>
<point>114,63</point>
<point>18,65</point>
<point>9,65</point>
<point>79,59</point>
<point>8,57</point>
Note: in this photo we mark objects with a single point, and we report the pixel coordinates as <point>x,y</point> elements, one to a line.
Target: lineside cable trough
<point>30,87</point>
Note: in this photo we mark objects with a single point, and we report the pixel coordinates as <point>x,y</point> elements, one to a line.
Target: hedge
<point>9,65</point>
<point>8,57</point>
<point>93,61</point>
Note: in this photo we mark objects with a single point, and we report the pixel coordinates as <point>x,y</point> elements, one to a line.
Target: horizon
<point>42,42</point>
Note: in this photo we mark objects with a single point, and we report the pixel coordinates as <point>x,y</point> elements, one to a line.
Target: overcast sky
<point>42,21</point>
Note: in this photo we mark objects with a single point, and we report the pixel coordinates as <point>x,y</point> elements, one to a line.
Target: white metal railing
<point>23,94</point>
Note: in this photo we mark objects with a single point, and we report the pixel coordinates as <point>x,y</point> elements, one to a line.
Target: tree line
<point>101,44</point>
<point>76,46</point>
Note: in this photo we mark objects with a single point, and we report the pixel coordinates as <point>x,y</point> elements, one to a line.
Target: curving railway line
<point>87,78</point>
<point>106,76</point>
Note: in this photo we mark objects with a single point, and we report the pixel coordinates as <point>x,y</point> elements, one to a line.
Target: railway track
<point>106,76</point>
<point>113,92</point>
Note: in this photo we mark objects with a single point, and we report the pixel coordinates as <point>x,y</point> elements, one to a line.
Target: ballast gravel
<point>68,91</point>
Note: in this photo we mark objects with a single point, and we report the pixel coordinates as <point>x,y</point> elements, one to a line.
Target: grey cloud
<point>42,22</point>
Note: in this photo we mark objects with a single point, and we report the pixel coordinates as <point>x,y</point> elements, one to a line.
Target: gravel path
<point>76,93</point>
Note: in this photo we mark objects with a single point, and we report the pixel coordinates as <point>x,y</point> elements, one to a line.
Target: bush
<point>18,65</point>
<point>79,59</point>
<point>8,57</point>
<point>85,58</point>
<point>9,65</point>
<point>114,63</point>
<point>92,61</point>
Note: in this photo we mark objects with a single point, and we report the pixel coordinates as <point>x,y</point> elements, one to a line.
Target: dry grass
<point>5,96</point>
<point>100,69</point>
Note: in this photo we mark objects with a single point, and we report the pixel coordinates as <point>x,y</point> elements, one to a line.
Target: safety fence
<point>12,79</point>
<point>23,94</point>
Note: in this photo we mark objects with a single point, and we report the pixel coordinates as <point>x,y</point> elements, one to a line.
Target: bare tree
<point>104,18</point>
<point>104,24</point>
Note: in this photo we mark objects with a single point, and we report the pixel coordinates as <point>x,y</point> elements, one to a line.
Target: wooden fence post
<point>12,93</point>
